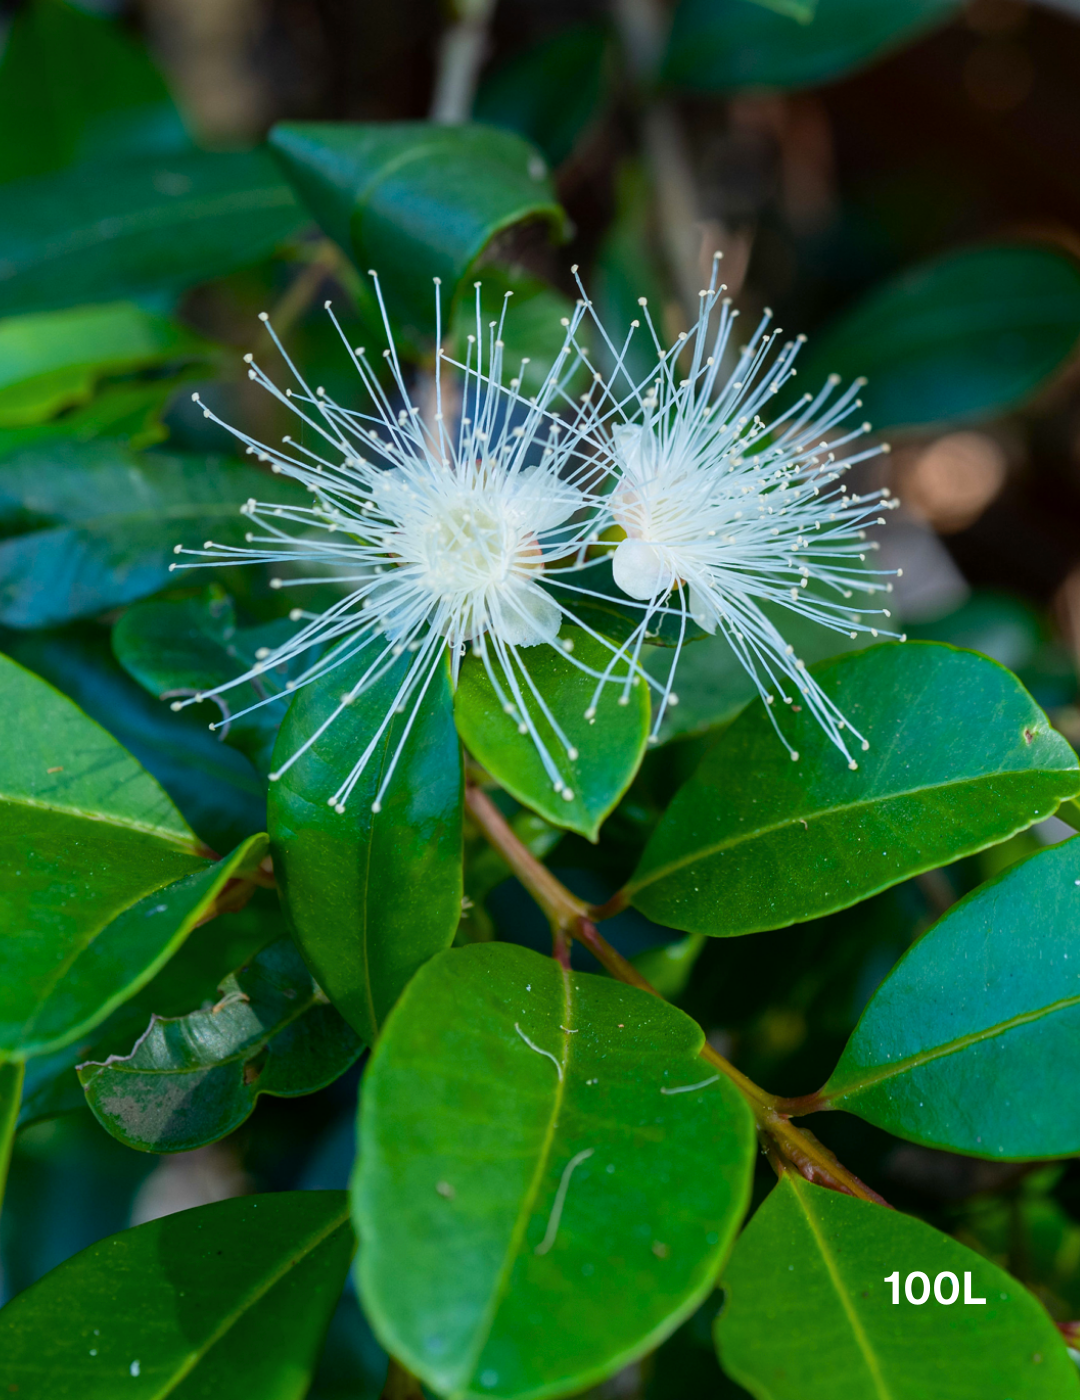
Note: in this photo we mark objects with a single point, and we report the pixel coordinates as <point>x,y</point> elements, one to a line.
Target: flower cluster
<point>475,521</point>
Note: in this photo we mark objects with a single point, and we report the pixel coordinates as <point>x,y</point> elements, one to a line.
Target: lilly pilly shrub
<point>444,623</point>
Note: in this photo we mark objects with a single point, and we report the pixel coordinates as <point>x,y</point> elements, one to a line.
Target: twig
<point>570,917</point>
<point>462,50</point>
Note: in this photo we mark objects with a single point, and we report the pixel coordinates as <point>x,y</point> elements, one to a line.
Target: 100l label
<point>917,1288</point>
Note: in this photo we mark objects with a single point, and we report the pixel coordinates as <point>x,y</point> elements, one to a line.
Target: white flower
<point>440,536</point>
<point>724,510</point>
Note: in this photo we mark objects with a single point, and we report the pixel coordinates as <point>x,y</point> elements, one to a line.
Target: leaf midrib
<point>295,1255</point>
<point>741,838</point>
<point>502,1281</point>
<point>861,1339</point>
<point>175,839</point>
<point>952,1047</point>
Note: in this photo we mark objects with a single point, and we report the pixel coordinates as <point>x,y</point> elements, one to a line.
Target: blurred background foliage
<point>900,181</point>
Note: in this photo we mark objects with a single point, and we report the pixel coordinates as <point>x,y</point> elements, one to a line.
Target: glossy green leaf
<point>960,758</point>
<point>415,201</point>
<point>551,1176</point>
<point>971,333</point>
<point>990,995</point>
<point>186,645</point>
<point>191,1080</point>
<point>68,970</point>
<point>721,45</point>
<point>107,521</point>
<point>219,794</point>
<point>809,1315</point>
<point>144,224</point>
<point>370,896</point>
<point>87,835</point>
<point>54,359</point>
<point>76,86</point>
<point>229,1300</point>
<point>550,93</point>
<point>603,754</point>
<point>188,981</point>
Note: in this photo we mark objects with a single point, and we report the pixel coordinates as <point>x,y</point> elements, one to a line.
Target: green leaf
<point>145,224</point>
<point>550,93</point>
<point>69,970</point>
<point>370,896</point>
<point>101,875</point>
<point>669,967</point>
<point>225,1300</point>
<point>960,758</point>
<point>111,519</point>
<point>721,45</point>
<point>809,1315</point>
<point>191,1080</point>
<point>970,333</point>
<point>188,980</point>
<point>218,792</point>
<point>604,753</point>
<point>551,1176</point>
<point>53,360</point>
<point>990,995</point>
<point>186,645</point>
<point>415,201</point>
<point>75,87</point>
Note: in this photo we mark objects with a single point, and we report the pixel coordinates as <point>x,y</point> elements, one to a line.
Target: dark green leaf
<point>960,758</point>
<point>187,981</point>
<point>183,646</point>
<point>1033,1235</point>
<point>54,359</point>
<point>102,879</point>
<point>551,1176</point>
<point>415,201</point>
<point>990,995</point>
<point>75,86</point>
<point>802,10</point>
<point>216,789</point>
<point>550,93</point>
<point>370,896</point>
<point>146,224</point>
<point>669,967</point>
<point>191,1080</point>
<point>227,1300</point>
<point>720,45</point>
<point>115,518</point>
<point>971,333</point>
<point>69,970</point>
<point>810,1317</point>
<point>604,754</point>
